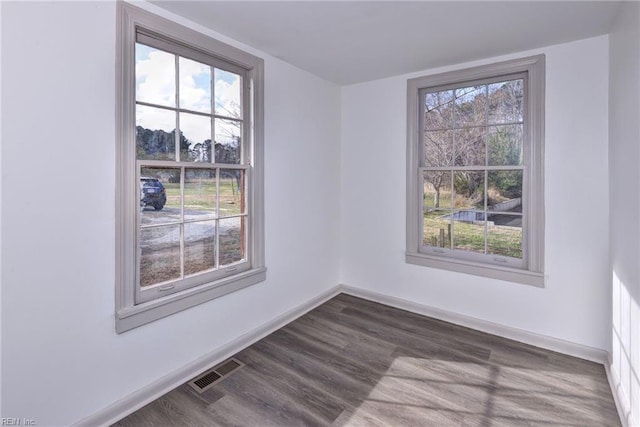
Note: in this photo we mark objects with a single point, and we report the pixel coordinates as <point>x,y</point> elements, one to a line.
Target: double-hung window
<point>475,180</point>
<point>189,169</point>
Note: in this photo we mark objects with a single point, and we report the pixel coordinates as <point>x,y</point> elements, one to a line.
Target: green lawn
<point>445,199</point>
<point>201,195</point>
<point>502,240</point>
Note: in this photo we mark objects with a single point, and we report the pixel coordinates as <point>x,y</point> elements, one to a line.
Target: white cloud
<point>195,86</point>
<point>156,78</point>
<point>155,118</point>
<point>195,128</point>
<point>227,94</point>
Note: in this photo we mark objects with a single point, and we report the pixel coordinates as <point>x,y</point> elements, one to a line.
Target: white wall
<point>573,304</point>
<point>624,157</point>
<point>61,359</point>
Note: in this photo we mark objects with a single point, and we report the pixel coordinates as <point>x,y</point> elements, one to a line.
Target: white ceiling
<point>353,41</point>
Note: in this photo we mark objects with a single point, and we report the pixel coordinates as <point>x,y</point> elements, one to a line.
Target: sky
<point>156,84</point>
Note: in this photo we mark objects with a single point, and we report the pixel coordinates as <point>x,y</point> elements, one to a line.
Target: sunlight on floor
<point>454,393</point>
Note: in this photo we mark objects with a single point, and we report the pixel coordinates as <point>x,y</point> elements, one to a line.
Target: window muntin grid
<point>209,137</point>
<point>474,137</point>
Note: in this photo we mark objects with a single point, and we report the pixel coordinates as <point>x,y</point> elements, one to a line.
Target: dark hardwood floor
<point>354,362</point>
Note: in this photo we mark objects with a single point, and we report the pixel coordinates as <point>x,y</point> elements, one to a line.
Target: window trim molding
<point>533,274</point>
<point>128,315</point>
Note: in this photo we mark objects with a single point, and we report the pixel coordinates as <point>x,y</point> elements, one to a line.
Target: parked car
<point>152,193</point>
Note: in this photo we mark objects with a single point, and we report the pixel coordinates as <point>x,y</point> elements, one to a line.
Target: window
<point>475,200</point>
<point>189,168</point>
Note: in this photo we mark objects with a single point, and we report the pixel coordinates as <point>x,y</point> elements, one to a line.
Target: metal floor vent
<point>215,375</point>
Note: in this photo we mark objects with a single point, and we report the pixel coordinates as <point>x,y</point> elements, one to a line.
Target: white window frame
<point>132,310</point>
<point>531,270</point>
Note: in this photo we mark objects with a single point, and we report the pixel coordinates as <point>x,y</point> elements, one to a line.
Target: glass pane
<point>231,240</point>
<point>437,190</point>
<point>505,145</point>
<point>199,246</point>
<point>504,235</point>
<point>195,138</point>
<point>504,191</point>
<point>438,148</point>
<point>506,101</point>
<point>159,195</point>
<point>469,146</point>
<point>155,134</point>
<point>199,194</point>
<point>195,85</point>
<point>468,189</point>
<point>228,90</point>
<point>468,231</point>
<point>228,140</point>
<point>437,229</point>
<point>439,110</point>
<point>231,190</point>
<point>155,76</point>
<point>471,106</point>
<point>159,254</point>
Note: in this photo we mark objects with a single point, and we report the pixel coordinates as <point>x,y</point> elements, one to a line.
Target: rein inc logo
<point>17,421</point>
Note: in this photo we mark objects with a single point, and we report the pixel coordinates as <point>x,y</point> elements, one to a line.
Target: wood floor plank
<point>447,342</point>
<point>363,353</point>
<point>298,390</point>
<point>272,402</point>
<point>352,362</point>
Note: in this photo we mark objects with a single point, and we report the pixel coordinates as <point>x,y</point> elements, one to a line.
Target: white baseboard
<point>623,405</point>
<point>543,341</point>
<point>142,397</point>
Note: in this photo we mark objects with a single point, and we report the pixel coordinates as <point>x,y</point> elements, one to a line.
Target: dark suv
<point>152,193</point>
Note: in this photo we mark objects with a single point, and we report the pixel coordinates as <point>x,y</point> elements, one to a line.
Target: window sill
<point>524,277</point>
<point>138,315</point>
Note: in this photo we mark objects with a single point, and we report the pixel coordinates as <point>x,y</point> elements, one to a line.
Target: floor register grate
<point>214,375</point>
